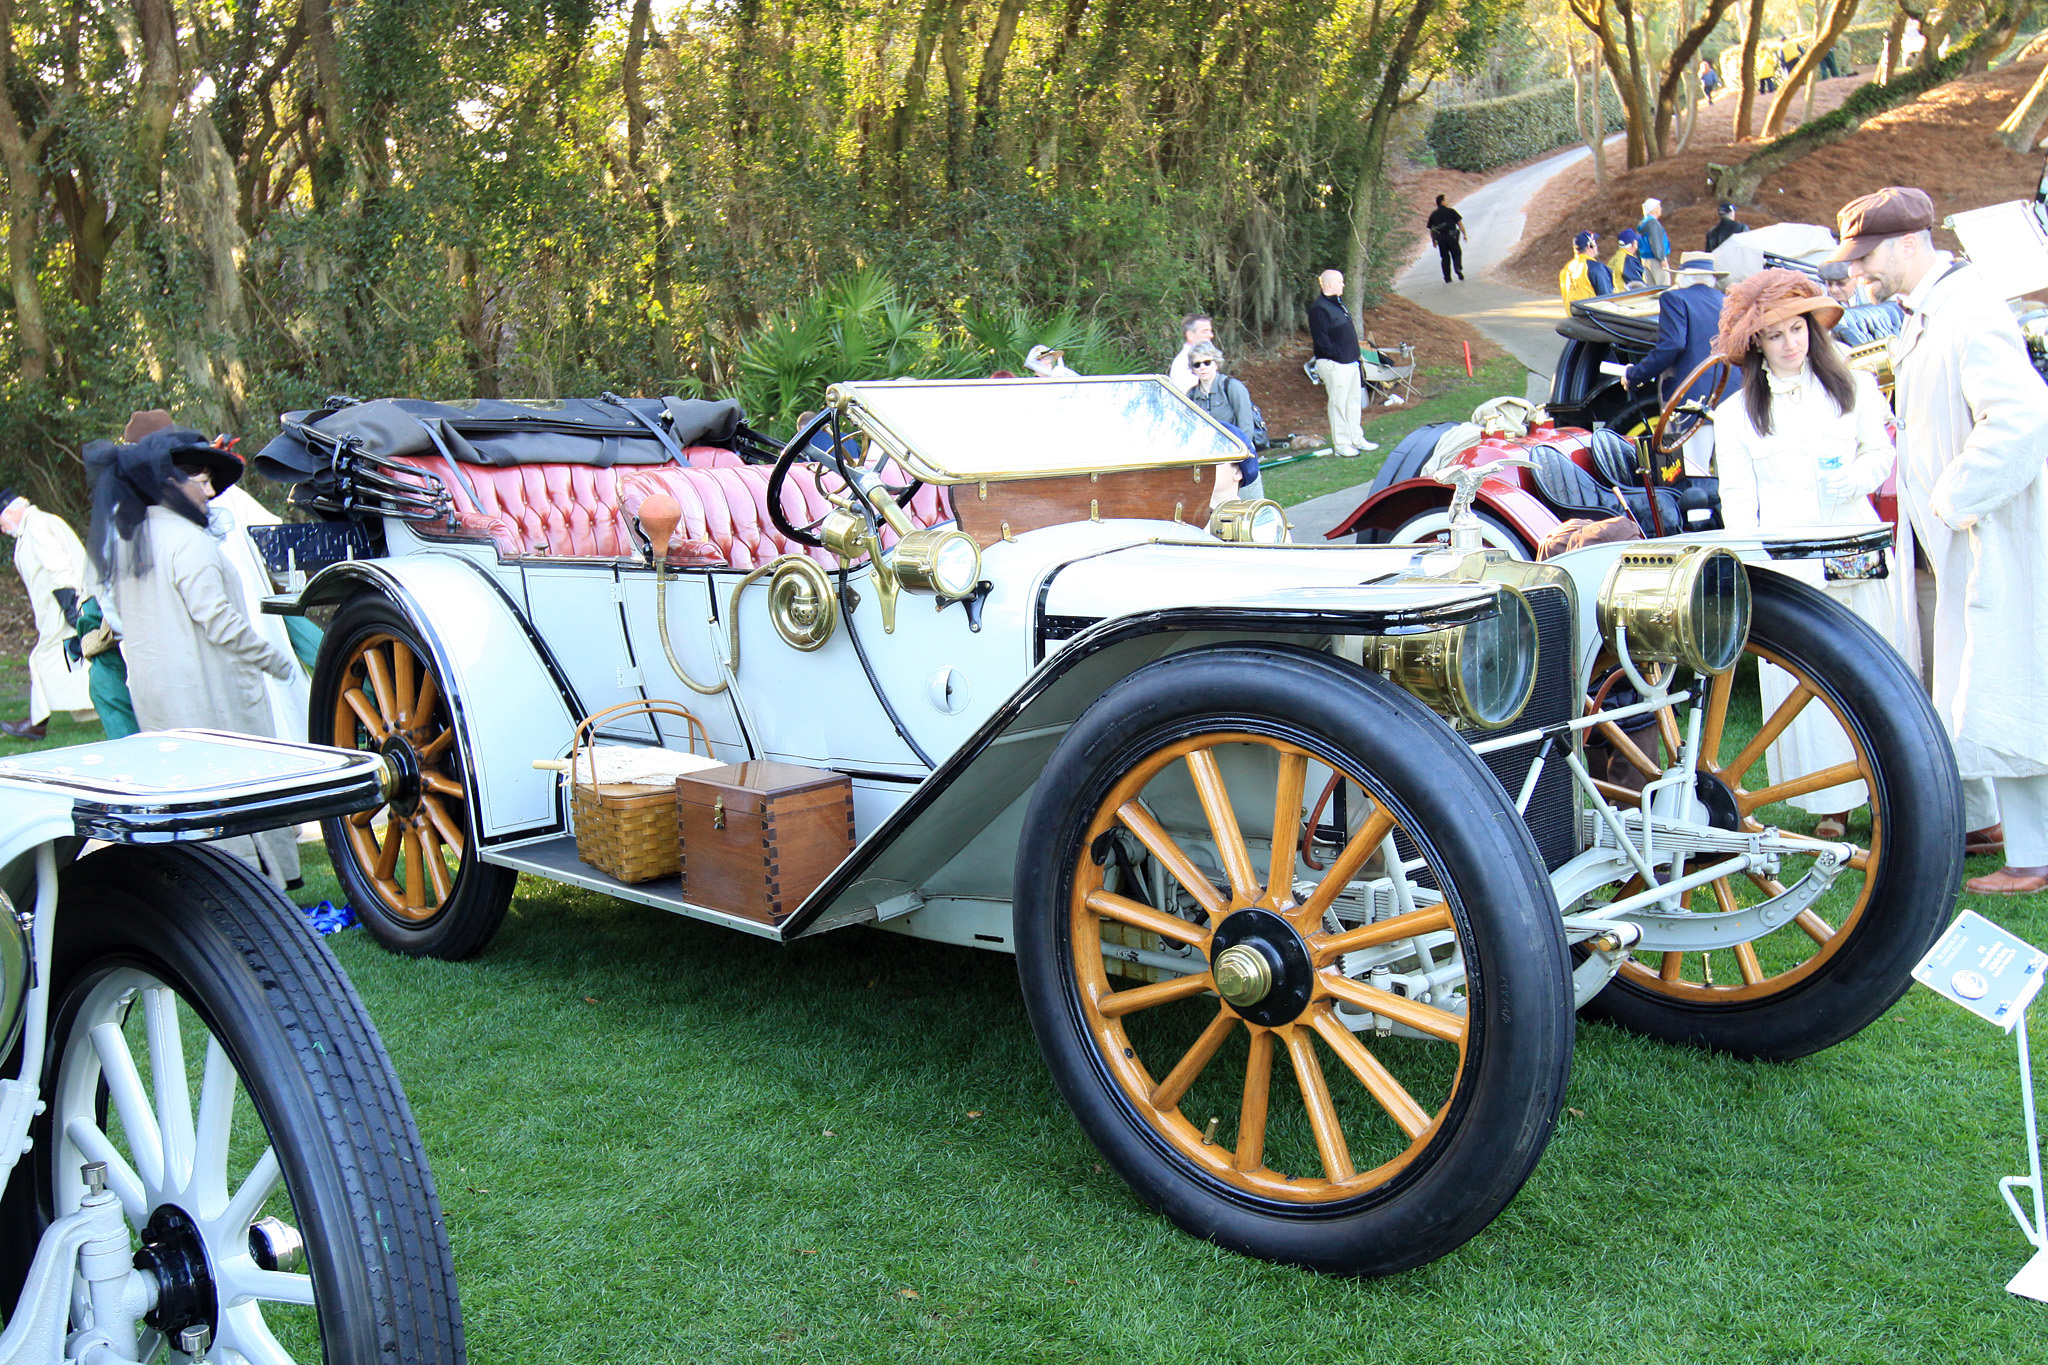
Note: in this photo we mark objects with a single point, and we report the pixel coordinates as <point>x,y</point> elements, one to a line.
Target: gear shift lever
<point>658,517</point>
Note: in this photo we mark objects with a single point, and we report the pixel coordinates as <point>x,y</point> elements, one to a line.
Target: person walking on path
<point>1973,431</point>
<point>1447,229</point>
<point>1195,330</point>
<point>1225,398</point>
<point>1655,243</point>
<point>1802,442</point>
<point>1724,227</point>
<point>1710,80</point>
<point>193,659</point>
<point>1335,338</point>
<point>51,563</point>
<point>1625,266</point>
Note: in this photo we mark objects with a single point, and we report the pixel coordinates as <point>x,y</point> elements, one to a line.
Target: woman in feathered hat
<point>193,659</point>
<point>1802,442</point>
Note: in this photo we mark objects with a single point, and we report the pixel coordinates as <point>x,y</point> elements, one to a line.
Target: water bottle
<point>1830,461</point>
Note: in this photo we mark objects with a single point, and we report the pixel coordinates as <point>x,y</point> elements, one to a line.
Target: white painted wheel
<point>208,1050</point>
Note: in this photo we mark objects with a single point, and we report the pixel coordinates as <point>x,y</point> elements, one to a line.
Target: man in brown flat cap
<point>1973,417</point>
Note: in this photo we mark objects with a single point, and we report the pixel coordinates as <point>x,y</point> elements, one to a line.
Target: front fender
<point>509,700</point>
<point>961,825</point>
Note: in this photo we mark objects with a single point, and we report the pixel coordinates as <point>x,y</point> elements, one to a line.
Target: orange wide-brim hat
<point>1766,299</point>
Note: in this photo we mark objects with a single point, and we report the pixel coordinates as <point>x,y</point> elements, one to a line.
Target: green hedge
<point>1489,133</point>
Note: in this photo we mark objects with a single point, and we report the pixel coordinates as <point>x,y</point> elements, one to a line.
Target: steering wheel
<point>1682,417</point>
<point>801,442</point>
<point>834,458</point>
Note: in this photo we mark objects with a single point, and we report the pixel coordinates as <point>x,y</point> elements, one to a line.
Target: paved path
<point>1521,323</point>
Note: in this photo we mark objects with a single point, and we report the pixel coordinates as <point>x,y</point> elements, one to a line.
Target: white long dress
<point>1769,481</point>
<point>48,556</point>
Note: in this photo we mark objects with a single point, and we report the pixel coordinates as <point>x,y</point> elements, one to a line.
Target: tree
<point>1651,110</point>
<point>1840,13</point>
<point>1739,183</point>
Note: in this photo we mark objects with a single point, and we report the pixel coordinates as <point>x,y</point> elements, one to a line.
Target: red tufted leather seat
<point>580,511</point>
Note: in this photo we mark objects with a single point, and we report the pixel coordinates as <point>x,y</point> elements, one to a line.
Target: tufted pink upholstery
<point>579,511</point>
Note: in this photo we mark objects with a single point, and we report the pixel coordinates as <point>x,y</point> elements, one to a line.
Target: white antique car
<point>204,1153</point>
<point>1303,867</point>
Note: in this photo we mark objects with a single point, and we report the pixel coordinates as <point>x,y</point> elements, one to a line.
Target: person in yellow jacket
<point>1585,274</point>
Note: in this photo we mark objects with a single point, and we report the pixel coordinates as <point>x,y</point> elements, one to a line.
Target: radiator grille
<point>1554,701</point>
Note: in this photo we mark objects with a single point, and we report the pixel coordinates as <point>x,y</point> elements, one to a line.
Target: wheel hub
<point>173,1251</point>
<point>1243,975</point>
<point>405,768</point>
<point>1261,967</point>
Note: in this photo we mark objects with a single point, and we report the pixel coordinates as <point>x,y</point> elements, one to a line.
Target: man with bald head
<point>1336,350</point>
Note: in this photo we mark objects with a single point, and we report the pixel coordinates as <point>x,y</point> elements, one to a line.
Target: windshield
<point>962,430</point>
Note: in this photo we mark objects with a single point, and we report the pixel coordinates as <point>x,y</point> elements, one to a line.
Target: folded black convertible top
<point>498,431</point>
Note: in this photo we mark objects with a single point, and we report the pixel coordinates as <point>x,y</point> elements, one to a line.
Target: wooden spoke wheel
<point>1842,962</point>
<point>1352,1066</point>
<point>408,866</point>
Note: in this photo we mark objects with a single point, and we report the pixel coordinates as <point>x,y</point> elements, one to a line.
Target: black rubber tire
<point>1519,1052</point>
<point>1518,545</point>
<point>1916,795</point>
<point>475,906</point>
<point>308,1059</point>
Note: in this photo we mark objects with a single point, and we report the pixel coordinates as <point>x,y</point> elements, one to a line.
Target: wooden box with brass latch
<point>760,836</point>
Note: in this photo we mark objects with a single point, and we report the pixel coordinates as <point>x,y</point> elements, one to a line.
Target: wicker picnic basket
<point>627,830</point>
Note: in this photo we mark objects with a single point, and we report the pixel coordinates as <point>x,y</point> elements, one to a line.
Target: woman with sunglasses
<point>1227,400</point>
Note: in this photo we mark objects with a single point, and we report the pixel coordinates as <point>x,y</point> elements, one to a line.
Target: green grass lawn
<point>663,1141</point>
<point>1443,395</point>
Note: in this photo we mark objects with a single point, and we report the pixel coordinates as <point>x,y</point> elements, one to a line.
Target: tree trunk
<point>640,34</point>
<point>1593,16</point>
<point>1894,47</point>
<point>2022,127</point>
<point>1365,192</point>
<point>988,90</point>
<point>1840,13</point>
<point>1589,114</point>
<point>20,150</point>
<point>953,60</point>
<point>1678,71</point>
<point>329,169</point>
<point>1752,34</point>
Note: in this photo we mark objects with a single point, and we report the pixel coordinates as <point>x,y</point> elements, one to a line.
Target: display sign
<point>1995,976</point>
<point>1986,970</point>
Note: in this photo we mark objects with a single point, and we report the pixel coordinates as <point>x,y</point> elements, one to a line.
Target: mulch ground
<point>1944,143</point>
<point>1293,405</point>
<point>17,623</point>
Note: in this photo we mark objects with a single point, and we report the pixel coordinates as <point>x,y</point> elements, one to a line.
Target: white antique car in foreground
<point>1296,848</point>
<point>204,1152</point>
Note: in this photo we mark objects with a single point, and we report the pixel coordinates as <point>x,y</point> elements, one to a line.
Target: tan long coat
<point>48,556</point>
<point>1973,436</point>
<point>193,659</point>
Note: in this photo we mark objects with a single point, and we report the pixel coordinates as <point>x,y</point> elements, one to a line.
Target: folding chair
<point>1391,379</point>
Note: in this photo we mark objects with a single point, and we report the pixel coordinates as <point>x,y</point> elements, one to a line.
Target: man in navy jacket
<point>1688,316</point>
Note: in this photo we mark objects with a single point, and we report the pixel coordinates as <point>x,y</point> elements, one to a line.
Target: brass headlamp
<point>1249,521</point>
<point>1481,674</point>
<point>1686,604</point>
<point>938,560</point>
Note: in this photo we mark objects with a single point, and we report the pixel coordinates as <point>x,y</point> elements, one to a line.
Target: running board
<point>555,859</point>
